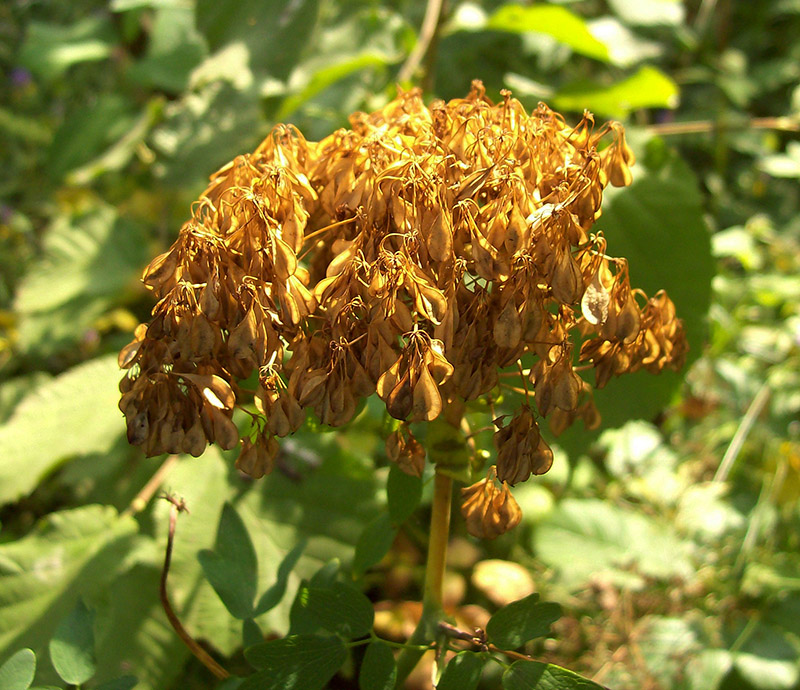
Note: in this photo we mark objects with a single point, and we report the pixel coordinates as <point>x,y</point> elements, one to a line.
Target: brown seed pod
<point>489,511</point>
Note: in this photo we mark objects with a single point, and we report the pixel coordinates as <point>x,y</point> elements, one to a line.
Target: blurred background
<point>670,537</point>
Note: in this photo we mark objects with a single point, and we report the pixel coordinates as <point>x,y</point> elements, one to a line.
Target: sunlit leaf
<point>556,21</point>
<point>33,441</point>
<point>534,675</point>
<point>18,671</point>
<point>51,49</point>
<point>72,646</point>
<point>339,608</point>
<point>647,88</point>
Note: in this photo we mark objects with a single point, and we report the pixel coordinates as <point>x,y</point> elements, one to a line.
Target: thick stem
<point>437,543</point>
<point>427,629</point>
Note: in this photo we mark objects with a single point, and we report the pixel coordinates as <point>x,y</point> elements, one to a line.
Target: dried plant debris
<point>416,256</point>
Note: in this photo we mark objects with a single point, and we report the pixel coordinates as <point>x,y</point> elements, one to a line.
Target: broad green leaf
<point>275,593</point>
<point>403,493</point>
<point>373,544</point>
<point>666,643</point>
<point>706,670</point>
<point>33,441</point>
<point>521,621</point>
<point>70,554</point>
<point>86,132</point>
<point>50,49</point>
<point>378,669</point>
<point>17,672</point>
<point>298,662</point>
<point>463,672</point>
<point>232,568</point>
<point>340,608</point>
<point>647,88</point>
<point>534,675</point>
<point>263,26</point>
<point>174,49</point>
<point>562,24</point>
<point>94,254</point>
<point>583,538</point>
<point>72,646</point>
<point>121,683</point>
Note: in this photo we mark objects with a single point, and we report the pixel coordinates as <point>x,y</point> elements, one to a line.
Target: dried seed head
<point>415,255</point>
<point>489,511</point>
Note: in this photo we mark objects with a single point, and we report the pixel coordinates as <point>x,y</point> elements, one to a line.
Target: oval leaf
<point>72,646</point>
<point>378,670</point>
<point>373,544</point>
<point>523,620</point>
<point>17,673</point>
<point>297,662</point>
<point>340,608</point>
<point>462,673</point>
<point>232,568</point>
<point>534,675</point>
<point>403,492</point>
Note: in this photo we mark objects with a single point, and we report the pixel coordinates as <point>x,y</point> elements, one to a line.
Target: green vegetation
<point>668,539</point>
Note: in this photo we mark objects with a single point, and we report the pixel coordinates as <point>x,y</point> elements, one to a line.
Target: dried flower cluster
<point>416,255</point>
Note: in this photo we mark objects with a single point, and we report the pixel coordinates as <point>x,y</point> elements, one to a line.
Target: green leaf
<point>374,544</point>
<point>298,662</point>
<point>520,621</point>
<point>562,24</point>
<point>232,568</point>
<point>121,683</point>
<point>403,492</point>
<point>70,554</point>
<point>378,669</point>
<point>534,675</point>
<point>647,88</point>
<point>251,633</point>
<point>463,672</point>
<point>768,660</point>
<point>33,441</point>
<point>585,538</point>
<point>275,593</point>
<point>339,608</point>
<point>263,26</point>
<point>51,49</point>
<point>17,672</point>
<point>72,646</point>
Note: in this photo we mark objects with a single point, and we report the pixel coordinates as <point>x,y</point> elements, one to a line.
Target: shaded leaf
<point>463,672</point>
<point>232,568</point>
<point>521,621</point>
<point>298,662</point>
<point>72,646</point>
<point>378,669</point>
<point>403,493</point>
<point>275,593</point>
<point>534,675</point>
<point>339,608</point>
<point>51,49</point>
<point>121,683</point>
<point>373,544</point>
<point>17,672</point>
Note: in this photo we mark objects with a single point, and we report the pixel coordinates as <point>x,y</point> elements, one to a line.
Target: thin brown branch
<point>179,506</point>
<point>783,124</point>
<point>140,501</point>
<point>427,34</point>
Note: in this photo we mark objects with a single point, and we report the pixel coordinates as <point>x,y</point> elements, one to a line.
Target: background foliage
<point>671,541</point>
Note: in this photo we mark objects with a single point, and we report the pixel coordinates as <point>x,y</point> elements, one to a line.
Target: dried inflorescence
<point>417,255</point>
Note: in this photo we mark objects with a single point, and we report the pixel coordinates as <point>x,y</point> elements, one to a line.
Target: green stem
<point>432,612</point>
